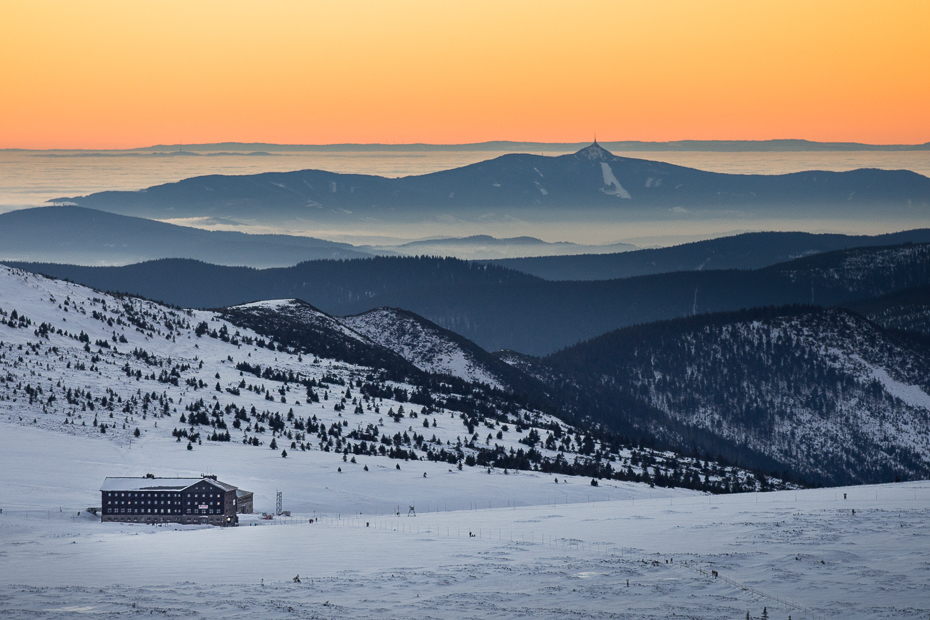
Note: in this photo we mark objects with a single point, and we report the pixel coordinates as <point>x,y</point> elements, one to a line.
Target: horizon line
<point>774,144</point>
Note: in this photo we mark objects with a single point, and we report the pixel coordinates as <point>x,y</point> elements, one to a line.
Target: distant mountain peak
<point>595,152</point>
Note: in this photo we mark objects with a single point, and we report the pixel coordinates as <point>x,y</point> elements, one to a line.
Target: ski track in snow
<point>611,181</point>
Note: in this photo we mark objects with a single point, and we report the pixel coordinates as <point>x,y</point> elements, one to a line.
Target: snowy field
<point>542,550</point>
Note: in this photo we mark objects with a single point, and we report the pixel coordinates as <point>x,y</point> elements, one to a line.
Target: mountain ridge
<point>498,308</point>
<point>592,182</point>
<point>752,250</point>
<point>821,391</point>
<point>88,236</point>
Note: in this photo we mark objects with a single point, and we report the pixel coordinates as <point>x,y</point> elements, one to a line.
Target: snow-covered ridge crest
<point>424,344</point>
<point>304,312</point>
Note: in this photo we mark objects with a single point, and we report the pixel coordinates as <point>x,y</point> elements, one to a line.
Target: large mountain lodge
<point>170,500</point>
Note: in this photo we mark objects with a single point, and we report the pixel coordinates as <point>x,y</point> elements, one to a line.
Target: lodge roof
<point>158,484</point>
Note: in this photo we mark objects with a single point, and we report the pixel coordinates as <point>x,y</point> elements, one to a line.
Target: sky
<point>116,74</point>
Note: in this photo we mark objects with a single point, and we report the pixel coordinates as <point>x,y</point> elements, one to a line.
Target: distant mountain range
<point>91,237</point>
<point>483,247</point>
<point>500,308</point>
<point>81,236</point>
<point>745,251</point>
<point>504,145</point>
<point>84,236</point>
<point>589,185</point>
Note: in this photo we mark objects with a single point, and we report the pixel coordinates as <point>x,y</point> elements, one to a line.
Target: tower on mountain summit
<point>595,152</point>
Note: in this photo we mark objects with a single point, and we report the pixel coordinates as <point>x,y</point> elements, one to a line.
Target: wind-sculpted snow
<point>254,377</point>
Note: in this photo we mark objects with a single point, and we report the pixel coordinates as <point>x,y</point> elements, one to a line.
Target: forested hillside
<point>824,393</point>
<point>282,376</point>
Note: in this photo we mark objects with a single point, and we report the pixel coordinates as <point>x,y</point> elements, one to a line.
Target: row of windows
<point>189,502</point>
<point>134,494</point>
<point>210,511</point>
<point>137,494</point>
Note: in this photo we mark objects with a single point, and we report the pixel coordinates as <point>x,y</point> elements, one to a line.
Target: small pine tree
<point>284,454</point>
<point>274,444</point>
<point>765,613</point>
<point>398,466</point>
<point>189,446</point>
<point>136,432</point>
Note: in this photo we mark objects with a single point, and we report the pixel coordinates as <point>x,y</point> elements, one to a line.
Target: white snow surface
<point>912,395</point>
<point>541,550</point>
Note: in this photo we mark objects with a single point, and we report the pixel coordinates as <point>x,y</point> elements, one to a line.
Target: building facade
<point>169,500</point>
<point>244,502</point>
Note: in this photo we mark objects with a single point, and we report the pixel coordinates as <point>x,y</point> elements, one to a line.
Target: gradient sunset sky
<point>117,74</point>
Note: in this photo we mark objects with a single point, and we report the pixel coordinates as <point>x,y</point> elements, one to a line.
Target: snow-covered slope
<point>427,346</point>
<point>92,364</point>
<point>538,550</point>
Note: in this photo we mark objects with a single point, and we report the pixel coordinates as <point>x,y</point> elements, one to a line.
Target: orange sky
<point>114,74</point>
